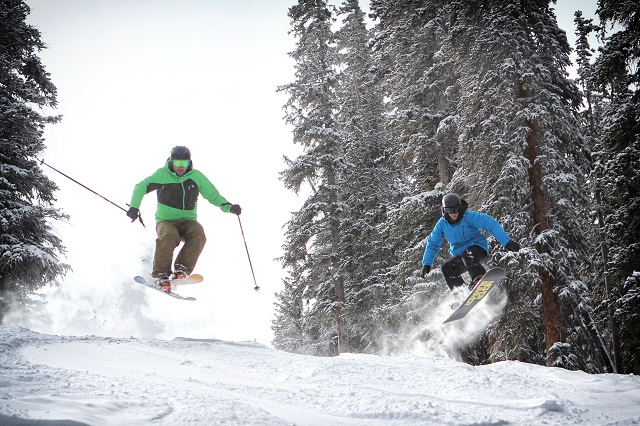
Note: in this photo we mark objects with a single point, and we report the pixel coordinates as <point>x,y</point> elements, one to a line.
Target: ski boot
<point>178,275</point>
<point>164,282</point>
<point>474,282</point>
<point>180,272</point>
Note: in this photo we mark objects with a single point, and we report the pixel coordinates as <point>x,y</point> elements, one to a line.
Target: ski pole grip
<point>139,216</point>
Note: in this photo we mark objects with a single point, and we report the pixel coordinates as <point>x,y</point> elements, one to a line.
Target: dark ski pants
<point>469,261</point>
<point>170,234</point>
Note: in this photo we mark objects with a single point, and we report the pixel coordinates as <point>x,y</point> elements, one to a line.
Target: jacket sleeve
<point>489,224</point>
<point>142,188</point>
<point>434,243</point>
<point>211,194</point>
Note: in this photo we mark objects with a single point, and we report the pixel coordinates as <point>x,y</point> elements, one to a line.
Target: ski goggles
<point>455,209</point>
<point>180,163</point>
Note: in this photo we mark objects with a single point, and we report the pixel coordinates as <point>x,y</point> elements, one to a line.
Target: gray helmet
<point>180,153</point>
<point>451,203</point>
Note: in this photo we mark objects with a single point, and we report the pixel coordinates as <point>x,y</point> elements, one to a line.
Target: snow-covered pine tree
<point>590,118</point>
<point>367,186</point>
<point>420,85</point>
<point>29,248</point>
<point>289,323</point>
<point>312,246</point>
<point>616,75</point>
<point>520,160</point>
<point>421,91</point>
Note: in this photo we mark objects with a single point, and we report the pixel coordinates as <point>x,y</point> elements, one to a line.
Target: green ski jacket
<point>178,195</point>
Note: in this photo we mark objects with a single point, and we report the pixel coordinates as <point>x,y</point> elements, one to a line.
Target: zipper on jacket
<point>184,196</point>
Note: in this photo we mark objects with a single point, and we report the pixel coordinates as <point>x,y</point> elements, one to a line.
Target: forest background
<point>472,98</point>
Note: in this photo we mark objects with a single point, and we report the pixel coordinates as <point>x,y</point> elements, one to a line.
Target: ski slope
<point>89,380</point>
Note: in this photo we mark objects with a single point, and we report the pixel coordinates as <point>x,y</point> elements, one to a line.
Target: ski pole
<point>91,190</point>
<point>256,288</point>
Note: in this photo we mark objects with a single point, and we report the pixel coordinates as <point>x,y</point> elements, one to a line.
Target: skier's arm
<point>489,224</point>
<point>141,189</point>
<point>434,243</point>
<point>211,194</point>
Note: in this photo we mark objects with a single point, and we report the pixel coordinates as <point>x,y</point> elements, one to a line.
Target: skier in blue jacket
<point>467,245</point>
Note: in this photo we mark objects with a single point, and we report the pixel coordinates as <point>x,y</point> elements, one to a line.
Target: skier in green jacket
<point>177,185</point>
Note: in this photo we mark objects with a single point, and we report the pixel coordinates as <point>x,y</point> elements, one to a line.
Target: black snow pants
<point>469,261</point>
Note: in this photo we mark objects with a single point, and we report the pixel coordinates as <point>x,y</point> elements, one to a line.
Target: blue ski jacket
<point>463,234</point>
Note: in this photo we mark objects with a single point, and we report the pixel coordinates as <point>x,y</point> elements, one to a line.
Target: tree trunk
<point>338,282</point>
<point>552,310</point>
<point>338,288</point>
<point>341,325</point>
<point>443,167</point>
<point>604,251</point>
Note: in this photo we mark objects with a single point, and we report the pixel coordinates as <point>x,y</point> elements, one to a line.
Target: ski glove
<point>425,270</point>
<point>235,209</point>
<point>133,213</point>
<point>512,246</point>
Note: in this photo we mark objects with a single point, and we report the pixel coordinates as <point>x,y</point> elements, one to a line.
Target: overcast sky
<point>134,79</point>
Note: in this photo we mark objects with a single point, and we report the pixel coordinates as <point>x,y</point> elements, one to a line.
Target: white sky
<point>134,79</point>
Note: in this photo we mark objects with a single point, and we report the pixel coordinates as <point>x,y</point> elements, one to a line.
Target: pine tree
<point>590,118</point>
<point>421,87</point>
<point>367,185</point>
<point>521,160</point>
<point>421,91</point>
<point>616,76</point>
<point>312,247</point>
<point>289,329</point>
<point>29,248</point>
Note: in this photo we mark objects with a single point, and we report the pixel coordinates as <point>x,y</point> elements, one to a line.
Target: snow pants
<point>469,261</point>
<point>170,234</point>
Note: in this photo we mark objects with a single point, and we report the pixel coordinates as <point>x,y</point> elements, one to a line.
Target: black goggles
<point>455,209</point>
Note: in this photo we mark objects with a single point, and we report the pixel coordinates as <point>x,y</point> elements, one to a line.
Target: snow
<point>51,380</point>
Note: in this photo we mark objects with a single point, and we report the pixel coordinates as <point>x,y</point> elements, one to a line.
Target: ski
<point>486,283</point>
<point>191,279</point>
<point>146,283</point>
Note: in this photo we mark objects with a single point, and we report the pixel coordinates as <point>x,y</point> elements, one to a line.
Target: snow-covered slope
<point>126,381</point>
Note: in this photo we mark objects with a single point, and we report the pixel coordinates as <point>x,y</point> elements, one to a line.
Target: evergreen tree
<point>367,185</point>
<point>290,333</point>
<point>590,116</point>
<point>616,76</point>
<point>422,93</point>
<point>29,248</point>
<point>520,159</point>
<point>313,235</point>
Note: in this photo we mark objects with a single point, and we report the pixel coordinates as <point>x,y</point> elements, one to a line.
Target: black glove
<point>425,270</point>
<point>235,209</point>
<point>133,213</point>
<point>512,246</point>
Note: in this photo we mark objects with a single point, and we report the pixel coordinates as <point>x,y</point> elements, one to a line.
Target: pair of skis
<point>191,279</point>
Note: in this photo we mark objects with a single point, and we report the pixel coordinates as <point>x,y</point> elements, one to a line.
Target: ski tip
<point>191,299</point>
